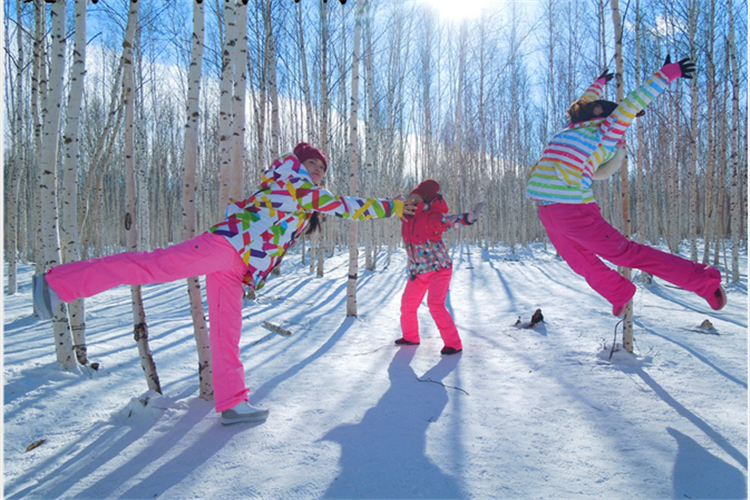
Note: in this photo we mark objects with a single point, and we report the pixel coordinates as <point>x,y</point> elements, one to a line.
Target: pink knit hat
<point>304,151</point>
<point>427,189</point>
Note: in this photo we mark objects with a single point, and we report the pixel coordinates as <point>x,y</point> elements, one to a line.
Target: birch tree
<point>237,187</point>
<point>48,158</point>
<point>270,64</point>
<point>140,327</point>
<point>734,158</point>
<point>627,332</point>
<point>692,170</point>
<point>39,85</point>
<point>226,118</point>
<point>312,131</point>
<point>351,284</point>
<point>370,257</point>
<point>639,155</point>
<point>71,141</point>
<point>18,161</point>
<point>320,236</point>
<point>711,208</point>
<point>200,329</point>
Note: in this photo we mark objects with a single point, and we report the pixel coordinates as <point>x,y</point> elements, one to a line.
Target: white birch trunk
<point>140,328</point>
<point>69,222</point>
<point>369,170</point>
<point>272,84</point>
<point>627,332</point>
<point>18,164</point>
<point>261,108</point>
<point>710,208</point>
<point>39,85</point>
<point>225,106</point>
<point>323,235</point>
<point>237,188</point>
<point>639,155</point>
<point>693,167</point>
<point>351,286</point>
<point>736,203</point>
<point>273,91</point>
<point>189,218</point>
<point>51,113</point>
<point>311,133</point>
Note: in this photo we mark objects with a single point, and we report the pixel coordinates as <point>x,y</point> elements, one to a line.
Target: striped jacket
<point>262,227</point>
<point>564,173</point>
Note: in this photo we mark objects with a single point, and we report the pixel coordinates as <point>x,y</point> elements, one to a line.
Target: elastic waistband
<point>545,203</point>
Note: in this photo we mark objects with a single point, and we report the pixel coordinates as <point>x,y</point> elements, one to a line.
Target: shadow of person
<point>699,474</point>
<point>384,456</point>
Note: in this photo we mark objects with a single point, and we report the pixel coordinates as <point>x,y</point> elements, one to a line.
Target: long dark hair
<point>581,111</point>
<point>315,224</point>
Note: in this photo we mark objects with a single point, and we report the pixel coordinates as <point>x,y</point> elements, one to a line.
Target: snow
<point>535,413</point>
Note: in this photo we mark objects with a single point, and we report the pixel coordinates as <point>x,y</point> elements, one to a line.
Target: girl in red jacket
<point>430,266</point>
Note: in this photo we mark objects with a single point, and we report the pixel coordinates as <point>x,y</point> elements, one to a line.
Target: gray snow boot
<point>45,297</point>
<point>243,412</point>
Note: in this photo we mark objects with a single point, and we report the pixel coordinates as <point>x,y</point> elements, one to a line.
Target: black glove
<point>687,66</point>
<point>607,76</point>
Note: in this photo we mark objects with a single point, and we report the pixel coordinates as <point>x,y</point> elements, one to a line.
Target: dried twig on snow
<point>276,328</point>
<point>440,383</point>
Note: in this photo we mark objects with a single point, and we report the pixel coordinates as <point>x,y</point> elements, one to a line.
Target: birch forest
<point>130,125</point>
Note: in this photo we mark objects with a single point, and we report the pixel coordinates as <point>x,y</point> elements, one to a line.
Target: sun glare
<point>458,10</point>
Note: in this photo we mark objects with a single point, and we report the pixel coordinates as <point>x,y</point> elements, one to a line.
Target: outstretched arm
<point>349,207</point>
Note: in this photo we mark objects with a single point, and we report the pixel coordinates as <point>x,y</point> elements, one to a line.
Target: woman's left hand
<point>410,206</point>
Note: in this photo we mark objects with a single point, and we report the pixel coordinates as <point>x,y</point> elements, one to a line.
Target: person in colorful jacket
<point>430,266</point>
<point>590,148</point>
<point>242,249</point>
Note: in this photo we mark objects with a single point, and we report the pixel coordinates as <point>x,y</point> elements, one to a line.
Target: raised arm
<point>616,124</point>
<point>594,91</point>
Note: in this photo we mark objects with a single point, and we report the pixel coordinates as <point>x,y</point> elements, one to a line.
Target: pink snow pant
<point>208,254</point>
<point>580,234</point>
<point>436,283</point>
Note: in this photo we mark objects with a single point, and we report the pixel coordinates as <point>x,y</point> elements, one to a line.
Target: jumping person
<point>592,147</point>
<point>240,250</point>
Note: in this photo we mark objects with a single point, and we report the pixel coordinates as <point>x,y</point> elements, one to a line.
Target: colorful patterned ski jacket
<point>564,173</point>
<point>265,225</point>
<point>423,237</point>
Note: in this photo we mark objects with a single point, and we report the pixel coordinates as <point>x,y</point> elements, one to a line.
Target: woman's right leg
<point>410,301</point>
<point>224,290</point>
<point>198,256</point>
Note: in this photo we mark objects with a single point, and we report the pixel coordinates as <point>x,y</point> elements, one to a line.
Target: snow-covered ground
<point>520,414</point>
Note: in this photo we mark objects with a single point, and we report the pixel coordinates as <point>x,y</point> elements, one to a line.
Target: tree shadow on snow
<point>693,353</point>
<point>384,455</point>
<point>701,424</point>
<point>94,460</point>
<point>699,474</point>
<point>264,390</point>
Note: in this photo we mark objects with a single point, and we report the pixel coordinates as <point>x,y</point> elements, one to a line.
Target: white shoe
<point>243,412</point>
<point>46,299</point>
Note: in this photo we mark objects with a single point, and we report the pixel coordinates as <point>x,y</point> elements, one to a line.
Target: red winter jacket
<point>426,224</point>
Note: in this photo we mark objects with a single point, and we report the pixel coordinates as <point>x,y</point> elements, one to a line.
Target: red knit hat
<point>304,151</point>
<point>427,189</point>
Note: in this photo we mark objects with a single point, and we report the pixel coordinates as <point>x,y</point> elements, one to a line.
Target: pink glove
<point>685,69</point>
<point>604,77</point>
